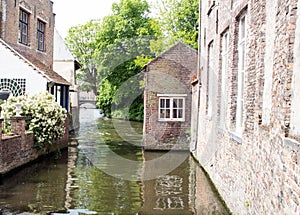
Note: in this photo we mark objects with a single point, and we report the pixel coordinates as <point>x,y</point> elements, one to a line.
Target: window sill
<point>235,136</point>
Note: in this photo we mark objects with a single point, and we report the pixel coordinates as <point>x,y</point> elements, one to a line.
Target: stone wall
<point>38,10</point>
<point>257,171</point>
<point>18,148</point>
<point>168,75</point>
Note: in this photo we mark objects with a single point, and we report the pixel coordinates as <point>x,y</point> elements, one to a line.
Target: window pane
<point>180,103</point>
<point>167,103</point>
<point>162,103</point>
<point>168,115</point>
<point>175,103</point>
<point>180,113</point>
<point>175,113</point>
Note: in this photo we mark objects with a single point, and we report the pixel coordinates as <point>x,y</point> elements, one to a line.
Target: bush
<point>47,116</point>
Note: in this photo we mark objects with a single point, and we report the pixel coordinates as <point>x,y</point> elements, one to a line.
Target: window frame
<point>224,67</point>
<point>41,28</point>
<point>171,107</point>
<point>24,27</point>
<point>242,37</point>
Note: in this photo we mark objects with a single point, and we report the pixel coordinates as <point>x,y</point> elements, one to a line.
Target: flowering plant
<point>47,116</point>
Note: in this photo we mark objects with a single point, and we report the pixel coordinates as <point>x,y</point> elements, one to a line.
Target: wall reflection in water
<point>185,190</point>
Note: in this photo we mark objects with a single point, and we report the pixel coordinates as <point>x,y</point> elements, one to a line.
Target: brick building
<point>247,130</point>
<point>167,98</point>
<point>26,37</point>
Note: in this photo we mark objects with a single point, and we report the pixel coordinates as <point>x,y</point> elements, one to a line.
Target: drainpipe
<point>199,78</point>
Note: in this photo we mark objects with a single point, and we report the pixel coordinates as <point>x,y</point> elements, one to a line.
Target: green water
<point>109,174</point>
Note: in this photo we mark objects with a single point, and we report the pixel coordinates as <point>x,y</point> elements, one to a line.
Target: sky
<point>74,12</point>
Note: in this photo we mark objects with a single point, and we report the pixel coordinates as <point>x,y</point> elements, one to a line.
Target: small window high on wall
<point>41,35</point>
<point>171,107</point>
<point>23,27</point>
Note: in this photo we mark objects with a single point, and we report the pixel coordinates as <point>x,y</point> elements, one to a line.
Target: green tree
<point>82,42</point>
<point>124,48</point>
<point>179,20</point>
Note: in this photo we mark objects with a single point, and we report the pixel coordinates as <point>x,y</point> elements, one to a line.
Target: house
<point>167,98</point>
<point>26,43</point>
<point>65,65</point>
<point>246,133</point>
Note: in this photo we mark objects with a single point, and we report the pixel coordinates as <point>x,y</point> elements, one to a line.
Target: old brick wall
<point>168,75</point>
<point>42,10</point>
<point>257,172</point>
<point>19,149</point>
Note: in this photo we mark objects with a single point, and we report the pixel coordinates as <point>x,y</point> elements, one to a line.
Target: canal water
<point>109,173</point>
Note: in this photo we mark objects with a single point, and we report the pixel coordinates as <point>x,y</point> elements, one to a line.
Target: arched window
<point>15,86</point>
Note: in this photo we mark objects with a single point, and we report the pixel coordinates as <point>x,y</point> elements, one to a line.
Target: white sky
<point>73,12</point>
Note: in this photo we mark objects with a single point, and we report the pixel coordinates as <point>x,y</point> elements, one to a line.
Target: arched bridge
<point>88,104</point>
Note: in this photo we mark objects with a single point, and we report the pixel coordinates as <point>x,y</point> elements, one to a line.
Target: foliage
<point>179,20</point>
<point>125,49</point>
<point>82,42</point>
<point>47,116</point>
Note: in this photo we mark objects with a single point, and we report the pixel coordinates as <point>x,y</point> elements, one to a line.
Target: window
<point>241,73</point>
<point>171,109</point>
<point>16,86</point>
<point>224,63</point>
<point>209,87</point>
<point>41,35</point>
<point>23,27</point>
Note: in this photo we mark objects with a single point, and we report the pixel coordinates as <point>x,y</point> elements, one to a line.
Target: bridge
<point>87,104</point>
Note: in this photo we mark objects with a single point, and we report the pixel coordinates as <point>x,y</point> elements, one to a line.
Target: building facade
<point>247,130</point>
<point>167,98</point>
<point>27,34</point>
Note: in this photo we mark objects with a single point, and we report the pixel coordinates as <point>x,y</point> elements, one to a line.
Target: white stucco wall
<point>11,66</point>
<point>295,113</point>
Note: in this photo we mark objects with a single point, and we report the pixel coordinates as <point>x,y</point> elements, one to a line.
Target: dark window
<point>41,35</point>
<point>23,27</point>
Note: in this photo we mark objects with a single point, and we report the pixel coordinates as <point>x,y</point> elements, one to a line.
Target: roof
<point>61,51</point>
<point>169,54</point>
<point>38,66</point>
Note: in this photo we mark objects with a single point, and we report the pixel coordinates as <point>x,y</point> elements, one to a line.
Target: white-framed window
<point>224,63</point>
<point>171,107</point>
<point>241,72</point>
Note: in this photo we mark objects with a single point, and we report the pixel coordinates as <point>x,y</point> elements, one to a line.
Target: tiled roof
<point>38,66</point>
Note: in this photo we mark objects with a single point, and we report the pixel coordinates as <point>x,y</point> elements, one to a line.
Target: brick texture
<point>9,26</point>
<point>258,171</point>
<point>169,73</point>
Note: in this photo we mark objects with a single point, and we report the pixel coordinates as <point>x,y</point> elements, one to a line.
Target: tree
<point>125,37</point>
<point>179,20</point>
<point>83,43</point>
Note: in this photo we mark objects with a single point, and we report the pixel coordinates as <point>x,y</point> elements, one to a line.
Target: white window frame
<point>224,62</point>
<point>171,97</point>
<point>241,72</point>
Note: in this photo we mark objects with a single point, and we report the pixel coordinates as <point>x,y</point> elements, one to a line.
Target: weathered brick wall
<point>42,10</point>
<point>19,149</point>
<point>257,173</point>
<point>168,75</point>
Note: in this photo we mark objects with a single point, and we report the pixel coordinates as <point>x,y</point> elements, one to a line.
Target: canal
<point>109,173</point>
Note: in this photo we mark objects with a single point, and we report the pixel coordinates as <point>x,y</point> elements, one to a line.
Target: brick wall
<point>256,172</point>
<point>18,149</point>
<point>42,10</point>
<point>170,73</point>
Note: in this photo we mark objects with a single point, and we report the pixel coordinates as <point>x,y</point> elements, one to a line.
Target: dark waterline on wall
<point>106,174</point>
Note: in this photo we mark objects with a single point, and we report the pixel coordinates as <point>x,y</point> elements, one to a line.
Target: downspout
<point>199,79</point>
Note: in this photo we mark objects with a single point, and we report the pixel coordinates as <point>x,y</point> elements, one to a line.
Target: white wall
<point>11,66</point>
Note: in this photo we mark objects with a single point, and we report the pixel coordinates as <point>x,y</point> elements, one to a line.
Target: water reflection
<point>79,184</point>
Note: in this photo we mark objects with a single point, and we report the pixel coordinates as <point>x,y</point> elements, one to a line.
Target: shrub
<point>47,116</point>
